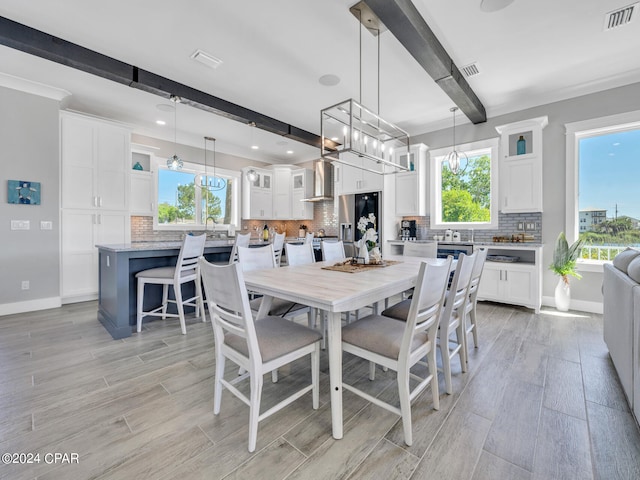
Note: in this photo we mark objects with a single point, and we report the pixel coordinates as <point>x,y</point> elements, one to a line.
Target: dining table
<point>335,292</point>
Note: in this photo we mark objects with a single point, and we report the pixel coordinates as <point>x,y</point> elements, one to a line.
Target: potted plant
<point>564,264</point>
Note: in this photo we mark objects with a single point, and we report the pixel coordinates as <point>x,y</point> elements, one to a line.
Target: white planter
<point>563,295</point>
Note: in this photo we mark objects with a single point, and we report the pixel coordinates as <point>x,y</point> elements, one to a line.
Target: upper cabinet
<point>257,195</point>
<point>521,165</point>
<point>276,194</point>
<point>301,187</point>
<point>142,192</point>
<point>95,163</point>
<point>411,186</point>
<point>353,179</point>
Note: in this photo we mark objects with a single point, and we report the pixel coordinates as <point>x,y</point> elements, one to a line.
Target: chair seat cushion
<point>399,311</point>
<point>381,335</point>
<point>279,306</point>
<point>276,337</point>
<point>163,272</point>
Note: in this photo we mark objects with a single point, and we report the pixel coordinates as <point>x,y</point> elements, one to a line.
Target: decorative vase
<point>563,295</point>
<point>364,252</point>
<point>376,255</point>
<point>302,233</point>
<point>521,146</point>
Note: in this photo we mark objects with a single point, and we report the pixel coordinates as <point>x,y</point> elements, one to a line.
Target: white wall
<point>29,142</point>
<point>587,291</point>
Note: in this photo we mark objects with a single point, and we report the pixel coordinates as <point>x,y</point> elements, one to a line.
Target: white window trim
<point>575,131</point>
<point>435,158</point>
<point>198,169</point>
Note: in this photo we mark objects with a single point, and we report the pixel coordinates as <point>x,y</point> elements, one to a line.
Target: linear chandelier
<point>355,135</point>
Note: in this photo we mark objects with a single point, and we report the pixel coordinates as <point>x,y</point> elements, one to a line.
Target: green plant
<point>565,256</point>
<point>302,227</point>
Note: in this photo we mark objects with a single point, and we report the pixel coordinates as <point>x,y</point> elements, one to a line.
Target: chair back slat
<point>278,246</point>
<point>478,266</point>
<point>458,291</point>
<point>299,254</point>
<point>333,251</point>
<point>191,250</point>
<point>422,249</point>
<point>242,240</point>
<point>257,258</point>
<point>309,238</point>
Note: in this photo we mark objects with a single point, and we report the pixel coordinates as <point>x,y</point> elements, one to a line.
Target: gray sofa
<point>621,289</point>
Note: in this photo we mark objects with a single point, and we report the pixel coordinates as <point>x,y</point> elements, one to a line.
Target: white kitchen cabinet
<point>95,166</point>
<point>141,196</point>
<point>257,196</point>
<point>517,283</point>
<point>82,230</point>
<point>301,187</point>
<point>411,187</point>
<point>357,180</point>
<point>282,193</point>
<point>521,168</point>
<point>95,163</point>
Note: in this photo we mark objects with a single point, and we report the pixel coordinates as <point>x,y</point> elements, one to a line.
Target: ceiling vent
<point>470,70</point>
<point>620,17</point>
<point>206,59</point>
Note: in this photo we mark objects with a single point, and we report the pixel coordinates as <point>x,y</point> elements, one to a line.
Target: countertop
<point>479,244</point>
<point>141,246</point>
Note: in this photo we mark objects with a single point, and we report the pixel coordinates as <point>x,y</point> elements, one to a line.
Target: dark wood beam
<point>403,20</point>
<point>29,40</point>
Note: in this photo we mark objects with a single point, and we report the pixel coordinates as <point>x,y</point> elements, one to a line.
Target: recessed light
<point>282,143</point>
<point>329,80</point>
<point>289,152</point>
<point>255,147</point>
<point>164,107</point>
<point>206,59</point>
<point>161,122</point>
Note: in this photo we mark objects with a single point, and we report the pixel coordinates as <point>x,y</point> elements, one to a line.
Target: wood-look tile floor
<point>541,400</point>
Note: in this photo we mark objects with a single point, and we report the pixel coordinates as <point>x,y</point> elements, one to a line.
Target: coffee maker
<point>408,230</point>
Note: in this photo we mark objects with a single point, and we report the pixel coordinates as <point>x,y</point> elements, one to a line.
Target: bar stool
<point>186,270</point>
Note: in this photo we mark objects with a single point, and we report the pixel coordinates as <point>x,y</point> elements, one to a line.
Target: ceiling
<point>273,54</point>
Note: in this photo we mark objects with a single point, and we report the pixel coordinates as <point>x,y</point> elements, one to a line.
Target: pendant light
<point>213,183</point>
<point>175,162</point>
<point>252,175</point>
<point>457,161</point>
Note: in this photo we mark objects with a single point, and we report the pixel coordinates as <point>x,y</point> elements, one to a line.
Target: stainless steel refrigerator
<point>350,209</point>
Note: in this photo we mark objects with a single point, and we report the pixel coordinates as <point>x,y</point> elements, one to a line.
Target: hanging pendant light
<point>175,162</point>
<point>213,183</point>
<point>457,161</point>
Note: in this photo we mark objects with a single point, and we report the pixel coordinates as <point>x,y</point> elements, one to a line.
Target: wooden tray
<point>359,267</point>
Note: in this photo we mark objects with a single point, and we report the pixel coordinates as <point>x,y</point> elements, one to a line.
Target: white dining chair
<point>400,345</point>
<point>256,347</point>
<point>333,251</point>
<point>470,317</point>
<point>242,240</point>
<point>308,238</point>
<point>452,319</point>
<point>299,254</point>
<point>186,270</point>
<point>420,249</point>
<point>278,246</point>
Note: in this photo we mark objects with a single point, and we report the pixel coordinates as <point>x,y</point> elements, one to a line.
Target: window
<point>603,164</point>
<point>185,202</point>
<point>467,200</point>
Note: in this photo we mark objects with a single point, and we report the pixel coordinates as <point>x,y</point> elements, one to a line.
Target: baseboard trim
<point>30,305</point>
<point>79,298</point>
<point>579,305</point>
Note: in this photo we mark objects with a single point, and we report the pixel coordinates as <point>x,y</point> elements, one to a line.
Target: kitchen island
<point>118,265</point>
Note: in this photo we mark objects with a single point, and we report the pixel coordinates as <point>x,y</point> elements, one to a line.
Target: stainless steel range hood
<point>323,182</point>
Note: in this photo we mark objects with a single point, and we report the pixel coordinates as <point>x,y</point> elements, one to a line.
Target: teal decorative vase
<point>521,146</point>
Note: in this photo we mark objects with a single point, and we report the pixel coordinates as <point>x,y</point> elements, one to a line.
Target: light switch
<point>46,225</point>
<point>20,225</point>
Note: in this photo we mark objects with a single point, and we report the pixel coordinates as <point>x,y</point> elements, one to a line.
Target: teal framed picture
<point>23,192</point>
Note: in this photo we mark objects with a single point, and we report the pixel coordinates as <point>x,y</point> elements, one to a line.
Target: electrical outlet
<point>530,226</point>
<point>20,225</point>
<point>25,284</point>
<point>46,225</point>
<point>520,226</point>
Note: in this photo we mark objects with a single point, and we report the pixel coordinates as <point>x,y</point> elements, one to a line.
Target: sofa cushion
<point>633,270</point>
<point>624,258</point>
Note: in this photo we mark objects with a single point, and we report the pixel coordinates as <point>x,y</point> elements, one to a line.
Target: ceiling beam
<point>403,20</point>
<point>29,40</point>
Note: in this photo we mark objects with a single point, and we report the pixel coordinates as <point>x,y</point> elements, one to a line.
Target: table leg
<point>334,328</point>
<point>265,306</point>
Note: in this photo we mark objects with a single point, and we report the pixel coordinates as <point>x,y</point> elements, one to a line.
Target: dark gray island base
<point>117,279</point>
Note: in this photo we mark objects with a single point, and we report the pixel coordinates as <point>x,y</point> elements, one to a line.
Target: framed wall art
<point>23,192</point>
